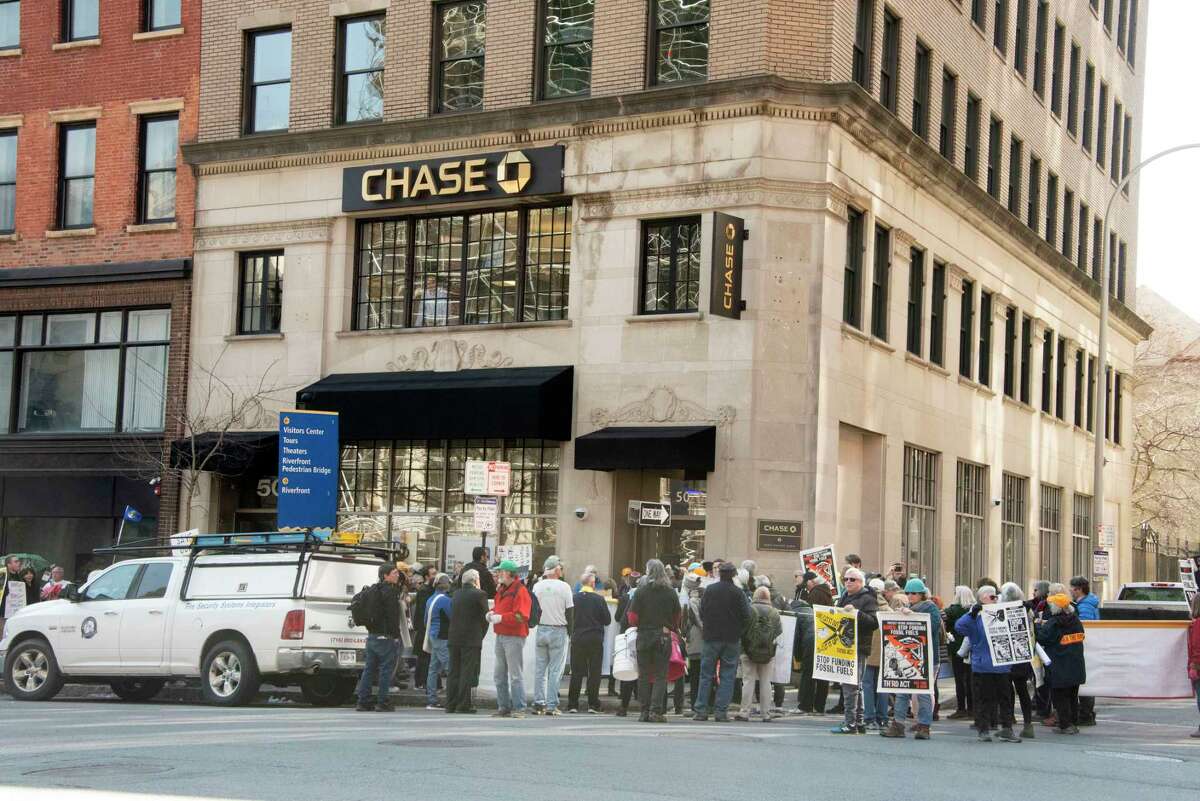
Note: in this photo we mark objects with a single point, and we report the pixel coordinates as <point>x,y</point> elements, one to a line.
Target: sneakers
<point>844,729</point>
<point>384,706</point>
<point>367,707</point>
<point>893,729</point>
<point>1027,732</point>
<point>538,709</point>
<point>432,707</point>
<point>593,711</point>
<point>622,712</point>
<point>743,717</point>
<point>658,718</point>
<point>572,711</point>
<point>922,733</point>
<point>776,710</point>
<point>1006,735</point>
<point>554,713</point>
<point>1068,730</point>
<point>721,718</point>
<point>985,737</point>
<point>701,717</point>
<point>961,714</point>
<point>688,713</point>
<point>502,713</point>
<point>517,715</point>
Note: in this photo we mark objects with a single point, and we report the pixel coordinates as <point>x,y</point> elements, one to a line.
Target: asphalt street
<point>75,750</point>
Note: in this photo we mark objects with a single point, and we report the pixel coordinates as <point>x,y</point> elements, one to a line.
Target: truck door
<point>90,630</point>
<point>144,621</point>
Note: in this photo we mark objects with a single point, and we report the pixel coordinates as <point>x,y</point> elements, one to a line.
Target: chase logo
<point>514,172</point>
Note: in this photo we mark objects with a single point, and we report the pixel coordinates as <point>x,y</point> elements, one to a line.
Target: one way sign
<point>651,513</point>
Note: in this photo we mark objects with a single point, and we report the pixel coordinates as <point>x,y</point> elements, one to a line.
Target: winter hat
<point>916,585</point>
<point>1059,601</point>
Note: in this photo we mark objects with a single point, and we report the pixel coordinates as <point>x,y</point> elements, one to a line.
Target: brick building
<point>912,377</point>
<point>96,213</point>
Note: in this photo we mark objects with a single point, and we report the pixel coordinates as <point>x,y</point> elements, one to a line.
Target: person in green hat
<point>510,618</point>
<point>919,604</point>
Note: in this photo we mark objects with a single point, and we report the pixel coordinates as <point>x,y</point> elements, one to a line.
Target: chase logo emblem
<point>514,172</point>
<point>88,628</point>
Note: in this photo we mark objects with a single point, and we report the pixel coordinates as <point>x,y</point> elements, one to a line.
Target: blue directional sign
<point>308,469</point>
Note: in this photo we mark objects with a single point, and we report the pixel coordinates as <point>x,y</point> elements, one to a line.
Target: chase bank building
<point>643,250</point>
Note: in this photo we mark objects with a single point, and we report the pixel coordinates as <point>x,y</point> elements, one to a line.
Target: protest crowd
<point>710,638</point>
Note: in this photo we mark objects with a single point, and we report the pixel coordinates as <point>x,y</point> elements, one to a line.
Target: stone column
<point>902,245</point>
<point>954,289</point>
<point>1037,340</point>
<point>1000,305</point>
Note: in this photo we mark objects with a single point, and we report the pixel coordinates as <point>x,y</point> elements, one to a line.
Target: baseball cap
<point>508,566</point>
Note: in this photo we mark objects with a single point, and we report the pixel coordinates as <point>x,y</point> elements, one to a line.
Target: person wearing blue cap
<point>919,603</point>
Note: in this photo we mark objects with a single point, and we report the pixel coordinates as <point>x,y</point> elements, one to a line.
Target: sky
<point>1167,258</point>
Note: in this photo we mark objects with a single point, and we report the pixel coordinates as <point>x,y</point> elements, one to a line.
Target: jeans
<point>439,662</point>
<point>756,677</point>
<point>725,655</point>
<point>464,673</point>
<point>548,665</point>
<point>924,708</point>
<point>380,664</point>
<point>510,673</point>
<point>852,696</point>
<point>587,656</point>
<point>872,711</point>
<point>653,657</point>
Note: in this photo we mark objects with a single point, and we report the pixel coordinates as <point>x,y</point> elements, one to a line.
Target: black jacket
<point>819,595</point>
<point>468,617</point>
<point>386,620</point>
<point>724,612</point>
<point>422,599</point>
<point>1062,638</point>
<point>656,607</point>
<point>866,604</point>
<point>486,582</point>
<point>591,616</point>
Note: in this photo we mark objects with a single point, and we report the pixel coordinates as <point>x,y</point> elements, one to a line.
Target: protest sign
<point>823,561</point>
<point>836,649</point>
<point>1008,636</point>
<point>905,664</point>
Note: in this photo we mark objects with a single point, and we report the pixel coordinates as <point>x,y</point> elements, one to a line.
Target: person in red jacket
<point>510,618</point>
<point>1194,653</point>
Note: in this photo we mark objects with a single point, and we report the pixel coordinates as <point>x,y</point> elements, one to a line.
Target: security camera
<point>581,513</point>
<point>996,501</point>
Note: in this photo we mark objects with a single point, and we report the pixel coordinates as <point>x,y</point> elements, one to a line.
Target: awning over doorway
<point>689,448</point>
<point>488,403</point>
<point>230,453</point>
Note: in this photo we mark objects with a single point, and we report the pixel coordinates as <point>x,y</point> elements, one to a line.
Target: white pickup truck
<point>233,615</point>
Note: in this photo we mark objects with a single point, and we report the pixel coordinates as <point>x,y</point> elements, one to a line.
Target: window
<point>1108,15</point>
<point>864,33</point>
<point>1080,391</point>
<point>361,48</point>
<point>1014,175</point>
<point>76,170</point>
<point>979,13</point>
<point>260,296</point>
<point>949,115</point>
<point>1068,224</point>
<point>1026,356</point>
<point>985,338</point>
<point>971,151</point>
<point>1012,531</point>
<point>1073,91</point>
<point>10,24</point>
<point>411,490</point>
<point>919,534</point>
<point>80,20</point>
<point>852,278</point>
<point>566,54</point>
<point>671,266</point>
<point>1117,409</point>
<point>880,281</point>
<point>1056,69</point>
<point>268,93</point>
<point>1000,27</point>
<point>937,315</point>
<point>1126,152</point>
<point>1091,394</point>
<point>160,140</point>
<point>1081,258</point>
<point>1121,256</point>
<point>679,36</point>
<point>1097,244</point>
<point>916,298</point>
<point>1010,351</point>
<point>1060,380</point>
<point>458,56</point>
<point>1108,404</point>
<point>89,372</point>
<point>889,65</point>
<point>1089,89</point>
<point>993,168</point>
<point>113,585</point>
<point>1112,263</point>
<point>1131,41</point>
<point>153,582</point>
<point>1101,124</point>
<point>1082,537</point>
<point>8,181</point>
<point>1034,211</point>
<point>920,120</point>
<point>1114,168</point>
<point>1122,24</point>
<point>410,270</point>
<point>966,329</point>
<point>1039,49</point>
<point>1047,370</point>
<point>162,14</point>
<point>1052,209</point>
<point>1021,34</point>
<point>970,519</point>
<point>1050,530</point>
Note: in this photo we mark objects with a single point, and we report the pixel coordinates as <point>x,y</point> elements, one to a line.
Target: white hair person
<point>762,594</point>
<point>1010,591</point>
<point>963,596</point>
<point>471,578</point>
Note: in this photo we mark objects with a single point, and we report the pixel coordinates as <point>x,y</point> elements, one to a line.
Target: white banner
<point>1008,635</point>
<point>781,666</point>
<point>1136,659</point>
<point>15,599</point>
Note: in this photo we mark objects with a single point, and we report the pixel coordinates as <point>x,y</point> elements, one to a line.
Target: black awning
<point>230,453</point>
<point>689,448</point>
<point>493,402</point>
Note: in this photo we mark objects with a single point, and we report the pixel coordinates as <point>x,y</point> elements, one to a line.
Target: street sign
<point>487,478</point>
<point>780,535</point>
<point>308,469</point>
<point>1107,535</point>
<point>653,513</point>
<point>1099,563</point>
<point>486,513</point>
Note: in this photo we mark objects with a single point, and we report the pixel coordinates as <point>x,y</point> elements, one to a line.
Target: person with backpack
<point>758,654</point>
<point>724,612</point>
<point>468,625</point>
<point>655,611</point>
<point>378,609</point>
<point>511,618</point>
<point>436,625</point>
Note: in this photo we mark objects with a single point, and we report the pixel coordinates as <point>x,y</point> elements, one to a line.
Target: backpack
<point>535,611</point>
<point>363,607</point>
<point>758,642</point>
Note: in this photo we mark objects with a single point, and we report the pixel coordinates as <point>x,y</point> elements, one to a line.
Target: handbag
<point>677,665</point>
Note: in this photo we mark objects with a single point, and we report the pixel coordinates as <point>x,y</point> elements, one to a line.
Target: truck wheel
<point>31,672</point>
<point>137,689</point>
<point>229,675</point>
<point>327,690</point>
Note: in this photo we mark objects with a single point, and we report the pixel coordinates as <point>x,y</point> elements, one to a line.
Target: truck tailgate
<point>327,625</point>
<point>329,586</point>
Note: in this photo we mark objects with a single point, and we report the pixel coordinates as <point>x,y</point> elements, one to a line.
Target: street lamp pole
<point>1098,426</point>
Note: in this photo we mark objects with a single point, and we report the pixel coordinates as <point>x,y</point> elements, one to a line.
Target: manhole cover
<point>102,769</point>
<point>464,743</point>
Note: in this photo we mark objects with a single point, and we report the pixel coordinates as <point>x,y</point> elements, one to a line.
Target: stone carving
<point>663,405</point>
<point>238,237</point>
<point>448,356</point>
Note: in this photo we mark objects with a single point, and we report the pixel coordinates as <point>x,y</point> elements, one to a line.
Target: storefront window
<point>411,492</point>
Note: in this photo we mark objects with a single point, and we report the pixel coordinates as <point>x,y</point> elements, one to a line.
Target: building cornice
<point>259,235</point>
<point>725,194</point>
